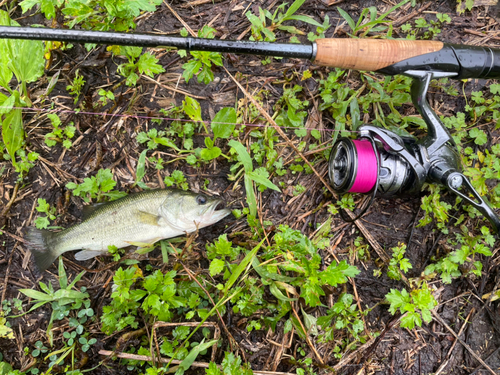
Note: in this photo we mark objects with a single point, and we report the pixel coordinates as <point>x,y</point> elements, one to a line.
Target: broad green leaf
<point>298,327</point>
<point>306,19</point>
<point>63,278</point>
<point>148,64</point>
<point>262,180</point>
<point>397,299</point>
<point>13,133</point>
<point>242,266</point>
<point>405,265</point>
<point>5,72</point>
<point>426,315</point>
<point>48,7</point>
<point>192,109</point>
<point>3,100</point>
<point>242,152</point>
<point>293,8</point>
<point>266,275</point>
<point>337,273</point>
<point>410,319</point>
<point>42,222</point>
<point>310,322</point>
<point>36,295</point>
<point>5,56</point>
<point>210,153</point>
<point>8,104</point>
<point>480,137</point>
<point>141,167</point>
<point>251,199</point>
<point>191,357</point>
<point>190,69</point>
<point>206,75</point>
<point>216,267</point>
<point>223,123</point>
<point>348,18</point>
<point>27,69</point>
<point>278,294</point>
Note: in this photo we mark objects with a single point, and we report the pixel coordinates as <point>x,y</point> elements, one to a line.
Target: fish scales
<point>144,217</point>
<point>116,223</point>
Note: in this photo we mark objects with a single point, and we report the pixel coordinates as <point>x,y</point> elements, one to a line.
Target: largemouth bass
<point>144,217</point>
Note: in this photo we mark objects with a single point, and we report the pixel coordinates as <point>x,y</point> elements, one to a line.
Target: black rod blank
<point>152,40</point>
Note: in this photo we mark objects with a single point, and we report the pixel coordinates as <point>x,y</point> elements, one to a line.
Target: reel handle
<point>456,180</point>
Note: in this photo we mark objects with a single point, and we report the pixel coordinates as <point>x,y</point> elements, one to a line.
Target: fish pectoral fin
<point>89,254</point>
<point>147,218</point>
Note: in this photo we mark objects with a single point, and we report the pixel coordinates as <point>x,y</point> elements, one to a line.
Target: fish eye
<point>201,200</point>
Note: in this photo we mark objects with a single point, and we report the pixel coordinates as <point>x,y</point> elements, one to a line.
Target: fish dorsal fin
<point>148,218</point>
<point>88,210</point>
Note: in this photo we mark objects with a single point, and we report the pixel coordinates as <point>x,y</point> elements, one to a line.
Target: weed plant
<point>275,277</point>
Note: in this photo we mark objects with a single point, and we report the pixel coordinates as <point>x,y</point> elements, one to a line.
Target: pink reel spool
<point>353,166</point>
<point>367,171</point>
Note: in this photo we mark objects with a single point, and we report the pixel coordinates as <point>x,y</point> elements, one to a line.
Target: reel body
<point>384,163</point>
<point>349,164</point>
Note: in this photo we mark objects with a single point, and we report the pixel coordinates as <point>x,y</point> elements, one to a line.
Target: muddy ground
<point>109,142</point>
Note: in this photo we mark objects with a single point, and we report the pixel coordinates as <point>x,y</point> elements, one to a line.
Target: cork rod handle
<point>370,54</point>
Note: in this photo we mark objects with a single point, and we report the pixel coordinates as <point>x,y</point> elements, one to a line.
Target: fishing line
<point>367,169</point>
<point>367,180</point>
<point>104,114</point>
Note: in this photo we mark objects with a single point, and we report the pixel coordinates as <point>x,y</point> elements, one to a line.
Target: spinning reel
<point>384,163</point>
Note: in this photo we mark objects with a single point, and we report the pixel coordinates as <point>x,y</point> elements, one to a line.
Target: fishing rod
<point>379,161</point>
<point>387,56</point>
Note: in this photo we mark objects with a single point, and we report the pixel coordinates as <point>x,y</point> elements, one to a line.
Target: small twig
<point>308,339</point>
<point>191,276</point>
<point>17,238</point>
<point>491,355</point>
<point>469,349</point>
<point>3,214</point>
<point>6,279</point>
<point>333,2</point>
<point>193,34</point>
<point>368,345</point>
<point>411,15</point>
<point>172,89</point>
<point>443,365</point>
<point>477,33</point>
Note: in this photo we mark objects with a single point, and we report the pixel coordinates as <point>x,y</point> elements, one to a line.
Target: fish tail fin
<point>43,253</point>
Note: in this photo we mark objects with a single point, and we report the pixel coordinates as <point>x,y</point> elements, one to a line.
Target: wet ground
<point>109,142</point>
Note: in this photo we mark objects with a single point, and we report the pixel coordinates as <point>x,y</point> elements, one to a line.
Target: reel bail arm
<point>455,180</point>
<point>444,166</point>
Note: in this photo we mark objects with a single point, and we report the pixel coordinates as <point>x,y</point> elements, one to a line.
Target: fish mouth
<point>218,210</point>
<point>220,206</point>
